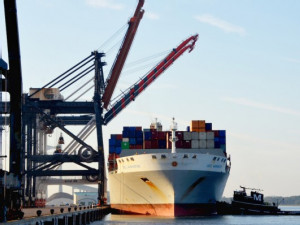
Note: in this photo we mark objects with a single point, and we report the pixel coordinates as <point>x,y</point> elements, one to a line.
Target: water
<point>206,220</point>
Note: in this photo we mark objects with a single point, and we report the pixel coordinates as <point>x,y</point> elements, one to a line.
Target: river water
<point>207,220</point>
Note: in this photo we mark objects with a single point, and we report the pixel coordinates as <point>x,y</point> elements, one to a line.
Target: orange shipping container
<point>201,124</point>
<point>194,124</point>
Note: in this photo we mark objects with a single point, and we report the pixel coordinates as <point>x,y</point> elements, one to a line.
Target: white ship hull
<point>166,184</point>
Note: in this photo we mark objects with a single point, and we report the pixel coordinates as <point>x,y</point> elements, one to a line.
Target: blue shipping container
<point>139,134</point>
<point>162,144</point>
<point>118,143</point>
<point>112,149</point>
<point>112,142</point>
<point>222,133</point>
<point>131,132</point>
<point>188,128</point>
<point>139,141</point>
<point>222,140</point>
<point>118,150</point>
<point>147,135</point>
<point>125,134</point>
<point>217,139</point>
<point>208,126</point>
<point>217,144</point>
<point>132,141</point>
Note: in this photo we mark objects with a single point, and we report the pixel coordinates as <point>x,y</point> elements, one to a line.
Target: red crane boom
<point>117,67</point>
<point>139,86</point>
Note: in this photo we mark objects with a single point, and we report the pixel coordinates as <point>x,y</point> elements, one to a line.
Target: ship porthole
<point>174,163</point>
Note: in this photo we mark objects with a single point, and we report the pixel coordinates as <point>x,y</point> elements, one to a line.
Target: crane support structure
<point>117,67</point>
<point>138,87</point>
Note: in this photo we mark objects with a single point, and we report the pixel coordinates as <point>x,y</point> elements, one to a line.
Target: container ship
<point>168,173</point>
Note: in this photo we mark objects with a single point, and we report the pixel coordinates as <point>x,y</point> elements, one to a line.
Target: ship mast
<point>173,138</point>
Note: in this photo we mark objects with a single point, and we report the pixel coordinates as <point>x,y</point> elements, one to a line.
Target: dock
<point>61,216</point>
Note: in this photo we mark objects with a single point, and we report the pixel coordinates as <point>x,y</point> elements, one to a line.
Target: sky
<point>242,76</point>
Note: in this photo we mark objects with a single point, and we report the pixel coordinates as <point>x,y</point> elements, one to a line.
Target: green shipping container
<point>125,145</point>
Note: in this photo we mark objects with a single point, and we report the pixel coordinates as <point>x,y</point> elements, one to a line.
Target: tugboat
<point>245,204</point>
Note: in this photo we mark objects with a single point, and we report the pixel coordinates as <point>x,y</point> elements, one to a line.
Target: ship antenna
<point>173,138</point>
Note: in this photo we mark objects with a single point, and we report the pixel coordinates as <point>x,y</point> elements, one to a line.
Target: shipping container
<point>147,144</point>
<point>125,145</point>
<point>118,150</point>
<point>222,133</point>
<point>161,135</point>
<point>139,141</point>
<point>195,135</point>
<point>187,136</point>
<point>162,144</point>
<point>178,144</point>
<point>210,144</point>
<point>154,144</point>
<point>147,135</point>
<point>179,135</point>
<point>188,129</point>
<point>112,142</point>
<point>132,141</point>
<point>187,144</point>
<point>195,144</point>
<point>210,135</point>
<point>201,124</point>
<point>202,144</point>
<point>154,135</point>
<point>202,135</point>
<point>125,139</point>
<point>139,134</point>
<point>208,126</point>
<point>222,140</point>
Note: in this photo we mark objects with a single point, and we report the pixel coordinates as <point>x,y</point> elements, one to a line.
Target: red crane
<point>139,86</point>
<point>117,67</point>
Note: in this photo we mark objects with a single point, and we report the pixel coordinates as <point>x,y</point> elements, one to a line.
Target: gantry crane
<point>49,113</point>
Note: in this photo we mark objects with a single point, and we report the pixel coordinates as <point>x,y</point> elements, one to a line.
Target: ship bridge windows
<point>131,158</point>
<point>214,159</point>
<point>185,156</point>
<point>163,156</point>
<point>194,157</point>
<point>153,156</point>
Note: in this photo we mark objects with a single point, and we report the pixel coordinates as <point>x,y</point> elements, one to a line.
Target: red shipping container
<point>161,135</point>
<point>154,135</point>
<point>179,135</point>
<point>119,136</point>
<point>147,144</point>
<point>154,144</point>
<point>131,146</point>
<point>187,144</point>
<point>216,132</point>
<point>139,147</point>
<point>179,144</point>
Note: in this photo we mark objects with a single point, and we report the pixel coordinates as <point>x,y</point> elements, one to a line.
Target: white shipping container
<point>210,135</point>
<point>202,144</point>
<point>202,135</point>
<point>195,136</point>
<point>187,136</point>
<point>195,144</point>
<point>125,139</point>
<point>210,144</point>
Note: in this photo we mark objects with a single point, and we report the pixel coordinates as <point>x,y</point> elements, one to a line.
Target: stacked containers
<point>132,138</point>
<point>115,143</point>
<point>198,135</point>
